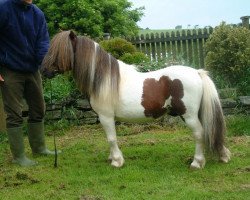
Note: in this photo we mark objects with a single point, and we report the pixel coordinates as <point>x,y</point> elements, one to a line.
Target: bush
<point>228,57</point>
<point>161,63</point>
<point>118,47</point>
<point>135,58</point>
<point>58,88</point>
<point>123,50</point>
<point>238,125</point>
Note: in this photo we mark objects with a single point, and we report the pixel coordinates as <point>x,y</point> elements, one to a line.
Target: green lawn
<point>156,167</point>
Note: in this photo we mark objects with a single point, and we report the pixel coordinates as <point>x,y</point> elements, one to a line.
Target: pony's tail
<point>211,116</point>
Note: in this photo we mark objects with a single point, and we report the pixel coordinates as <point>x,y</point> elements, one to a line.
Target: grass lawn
<point>157,160</point>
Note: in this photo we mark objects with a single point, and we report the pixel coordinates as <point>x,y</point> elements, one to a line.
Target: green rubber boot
<point>15,137</point>
<point>37,139</point>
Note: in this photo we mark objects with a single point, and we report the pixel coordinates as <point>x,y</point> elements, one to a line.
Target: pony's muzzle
<point>48,74</point>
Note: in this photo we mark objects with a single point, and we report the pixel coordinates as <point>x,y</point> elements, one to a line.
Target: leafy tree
<point>118,17</point>
<point>228,56</point>
<point>91,17</point>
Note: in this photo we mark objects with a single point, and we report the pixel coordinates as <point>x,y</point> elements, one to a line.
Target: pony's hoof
<point>117,162</point>
<point>224,159</point>
<point>197,164</point>
<point>226,156</point>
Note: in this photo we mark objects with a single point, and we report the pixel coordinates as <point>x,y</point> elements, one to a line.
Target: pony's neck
<point>96,72</point>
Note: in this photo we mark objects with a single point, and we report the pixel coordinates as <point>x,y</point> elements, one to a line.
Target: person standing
<point>24,41</point>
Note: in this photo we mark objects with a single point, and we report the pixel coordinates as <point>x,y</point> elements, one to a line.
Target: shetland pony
<point>117,91</point>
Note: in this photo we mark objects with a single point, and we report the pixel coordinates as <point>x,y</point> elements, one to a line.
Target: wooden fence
<point>187,45</point>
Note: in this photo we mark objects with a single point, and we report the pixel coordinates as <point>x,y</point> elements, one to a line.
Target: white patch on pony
<point>93,65</point>
<point>105,89</point>
<point>131,84</point>
<point>167,102</point>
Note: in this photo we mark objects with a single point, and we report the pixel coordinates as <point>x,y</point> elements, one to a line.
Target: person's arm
<point>3,17</point>
<point>42,43</point>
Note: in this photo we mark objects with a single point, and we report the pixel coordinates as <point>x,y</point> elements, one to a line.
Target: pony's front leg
<point>108,124</point>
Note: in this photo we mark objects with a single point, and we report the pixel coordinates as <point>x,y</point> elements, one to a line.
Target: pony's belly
<point>134,120</point>
<point>130,114</point>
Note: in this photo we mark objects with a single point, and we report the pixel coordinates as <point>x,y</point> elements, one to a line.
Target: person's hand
<point>1,78</point>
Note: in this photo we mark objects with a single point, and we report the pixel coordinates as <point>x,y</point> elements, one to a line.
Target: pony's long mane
<point>60,53</point>
<point>95,71</point>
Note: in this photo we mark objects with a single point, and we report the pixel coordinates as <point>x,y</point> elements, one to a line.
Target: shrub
<point>58,88</point>
<point>161,63</point>
<point>228,57</point>
<point>238,125</point>
<point>123,50</point>
<point>135,58</point>
<point>118,47</point>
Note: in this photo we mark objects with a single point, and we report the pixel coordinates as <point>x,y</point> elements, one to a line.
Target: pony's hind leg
<point>115,156</point>
<point>199,158</point>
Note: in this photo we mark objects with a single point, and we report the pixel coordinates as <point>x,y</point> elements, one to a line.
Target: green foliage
<point>118,47</point>
<point>123,50</point>
<point>93,18</point>
<point>238,125</point>
<point>62,125</point>
<point>135,58</point>
<point>118,17</point>
<point>160,63</point>
<point>3,137</point>
<point>228,56</point>
<point>58,88</point>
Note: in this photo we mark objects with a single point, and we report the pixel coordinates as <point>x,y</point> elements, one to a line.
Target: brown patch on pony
<point>178,107</point>
<point>155,94</point>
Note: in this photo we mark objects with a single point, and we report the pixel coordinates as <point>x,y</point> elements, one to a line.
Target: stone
<point>245,100</point>
<point>83,104</point>
<point>228,103</point>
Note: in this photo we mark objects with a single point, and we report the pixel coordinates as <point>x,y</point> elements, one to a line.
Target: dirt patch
<point>239,140</point>
<point>17,180</point>
<point>89,197</point>
<point>245,186</point>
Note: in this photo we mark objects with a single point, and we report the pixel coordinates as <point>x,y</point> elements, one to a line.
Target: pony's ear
<point>72,35</point>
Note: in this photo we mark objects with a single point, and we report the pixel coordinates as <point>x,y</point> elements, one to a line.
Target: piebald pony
<point>117,91</point>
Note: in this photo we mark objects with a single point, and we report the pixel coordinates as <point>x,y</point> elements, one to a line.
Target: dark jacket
<point>24,38</point>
